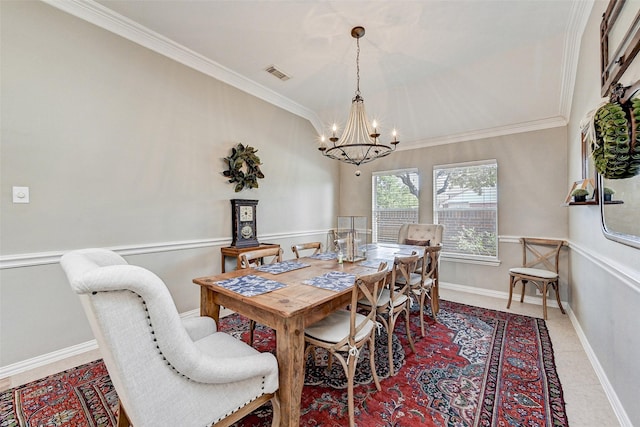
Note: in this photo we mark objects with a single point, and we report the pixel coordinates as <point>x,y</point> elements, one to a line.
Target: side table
<point>231,251</point>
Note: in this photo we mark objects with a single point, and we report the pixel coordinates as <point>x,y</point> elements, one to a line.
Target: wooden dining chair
<point>540,266</point>
<point>257,258</point>
<point>394,301</point>
<point>427,288</point>
<point>347,331</point>
<point>297,249</point>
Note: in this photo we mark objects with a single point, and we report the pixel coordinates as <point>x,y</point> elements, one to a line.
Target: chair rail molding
<point>43,258</point>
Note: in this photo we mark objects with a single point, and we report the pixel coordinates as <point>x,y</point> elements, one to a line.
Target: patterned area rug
<point>475,367</point>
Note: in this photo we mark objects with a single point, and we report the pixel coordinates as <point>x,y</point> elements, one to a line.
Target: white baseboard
<point>618,409</point>
<point>45,359</point>
<point>551,302</point>
<point>75,350</point>
<point>56,356</point>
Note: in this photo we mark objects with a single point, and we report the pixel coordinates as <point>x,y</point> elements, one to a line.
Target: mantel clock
<point>244,223</point>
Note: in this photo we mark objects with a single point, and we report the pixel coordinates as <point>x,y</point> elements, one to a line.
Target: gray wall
<point>532,176</point>
<point>605,285</point>
<point>122,148</point>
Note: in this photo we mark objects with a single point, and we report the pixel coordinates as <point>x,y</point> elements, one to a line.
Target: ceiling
<point>438,71</point>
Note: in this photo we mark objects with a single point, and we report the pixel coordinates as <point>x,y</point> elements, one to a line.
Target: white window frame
<point>415,215</point>
<point>437,217</point>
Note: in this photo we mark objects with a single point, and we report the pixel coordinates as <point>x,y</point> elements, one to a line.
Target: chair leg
<point>275,404</point>
<point>556,287</point>
<point>544,300</point>
<point>408,322</point>
<point>123,419</point>
<point>524,282</point>
<point>351,368</point>
<point>423,295</point>
<point>511,285</point>
<point>372,362</point>
<point>252,327</point>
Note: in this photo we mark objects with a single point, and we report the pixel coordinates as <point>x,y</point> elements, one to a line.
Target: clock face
<point>246,213</point>
<point>246,231</point>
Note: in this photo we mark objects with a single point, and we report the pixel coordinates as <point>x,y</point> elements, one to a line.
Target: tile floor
<point>586,403</point>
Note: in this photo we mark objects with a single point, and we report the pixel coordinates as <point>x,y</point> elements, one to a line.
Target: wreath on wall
<point>616,152</point>
<point>243,167</point>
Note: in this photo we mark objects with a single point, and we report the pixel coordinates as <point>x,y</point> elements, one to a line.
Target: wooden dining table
<point>290,309</point>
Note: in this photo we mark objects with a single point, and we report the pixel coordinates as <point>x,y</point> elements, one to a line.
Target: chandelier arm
<point>358,143</point>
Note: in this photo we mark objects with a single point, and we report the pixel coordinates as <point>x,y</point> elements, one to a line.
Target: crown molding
<point>534,125</point>
<point>571,55</point>
<point>96,14</point>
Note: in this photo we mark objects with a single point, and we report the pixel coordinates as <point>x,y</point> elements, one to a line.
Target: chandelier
<point>359,142</point>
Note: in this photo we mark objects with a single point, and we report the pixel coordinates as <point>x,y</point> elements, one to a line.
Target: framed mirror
<point>620,219</point>
<point>620,78</point>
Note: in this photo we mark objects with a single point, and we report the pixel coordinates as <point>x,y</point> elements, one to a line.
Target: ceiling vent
<point>277,73</point>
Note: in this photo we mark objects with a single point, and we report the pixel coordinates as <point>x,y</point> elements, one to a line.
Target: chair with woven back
<point>167,371</point>
<point>307,247</point>
<point>347,331</point>
<point>257,258</point>
<point>540,266</point>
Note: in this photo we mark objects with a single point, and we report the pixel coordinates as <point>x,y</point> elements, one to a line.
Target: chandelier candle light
<point>359,142</point>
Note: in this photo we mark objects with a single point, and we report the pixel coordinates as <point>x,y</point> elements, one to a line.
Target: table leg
<point>207,306</point>
<point>290,354</point>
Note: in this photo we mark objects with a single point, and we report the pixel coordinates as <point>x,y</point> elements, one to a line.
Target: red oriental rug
<point>475,367</point>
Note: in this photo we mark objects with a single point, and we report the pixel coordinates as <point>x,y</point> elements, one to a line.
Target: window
<point>395,202</point>
<point>466,203</point>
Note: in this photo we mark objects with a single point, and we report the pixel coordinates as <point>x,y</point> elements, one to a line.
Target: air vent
<point>277,73</point>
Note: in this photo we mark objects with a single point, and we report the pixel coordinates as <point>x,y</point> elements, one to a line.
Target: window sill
<point>492,262</point>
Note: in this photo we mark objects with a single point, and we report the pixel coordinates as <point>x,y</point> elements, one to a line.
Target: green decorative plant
<point>579,194</point>
<point>244,167</point>
<point>608,193</point>
<point>616,152</point>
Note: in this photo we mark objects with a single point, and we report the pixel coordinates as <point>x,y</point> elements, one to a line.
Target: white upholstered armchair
<point>419,234</point>
<point>166,371</point>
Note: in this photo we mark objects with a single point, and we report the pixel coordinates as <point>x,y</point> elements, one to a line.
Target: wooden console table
<point>231,251</point>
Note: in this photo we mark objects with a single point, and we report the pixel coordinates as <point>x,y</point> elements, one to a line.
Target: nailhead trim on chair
<point>241,406</point>
<point>181,374</point>
<point>144,304</point>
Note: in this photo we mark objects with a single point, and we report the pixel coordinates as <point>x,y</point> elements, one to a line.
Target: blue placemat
<point>250,285</point>
<point>325,256</point>
<point>333,281</point>
<point>281,267</point>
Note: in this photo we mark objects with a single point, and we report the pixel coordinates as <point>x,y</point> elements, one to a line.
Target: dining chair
<point>166,371</point>
<point>540,266</point>
<point>297,249</point>
<point>257,258</point>
<point>394,300</point>
<point>347,331</point>
<point>420,234</point>
<point>428,285</point>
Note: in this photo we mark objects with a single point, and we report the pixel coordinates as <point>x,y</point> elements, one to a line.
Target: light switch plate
<point>20,194</point>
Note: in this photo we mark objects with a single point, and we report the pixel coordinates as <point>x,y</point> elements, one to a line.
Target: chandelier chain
<point>358,67</point>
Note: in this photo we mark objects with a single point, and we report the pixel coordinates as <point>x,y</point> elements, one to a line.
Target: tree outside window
<point>395,202</point>
<point>466,203</point>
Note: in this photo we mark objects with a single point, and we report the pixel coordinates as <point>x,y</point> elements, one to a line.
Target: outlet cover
<point>20,194</point>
